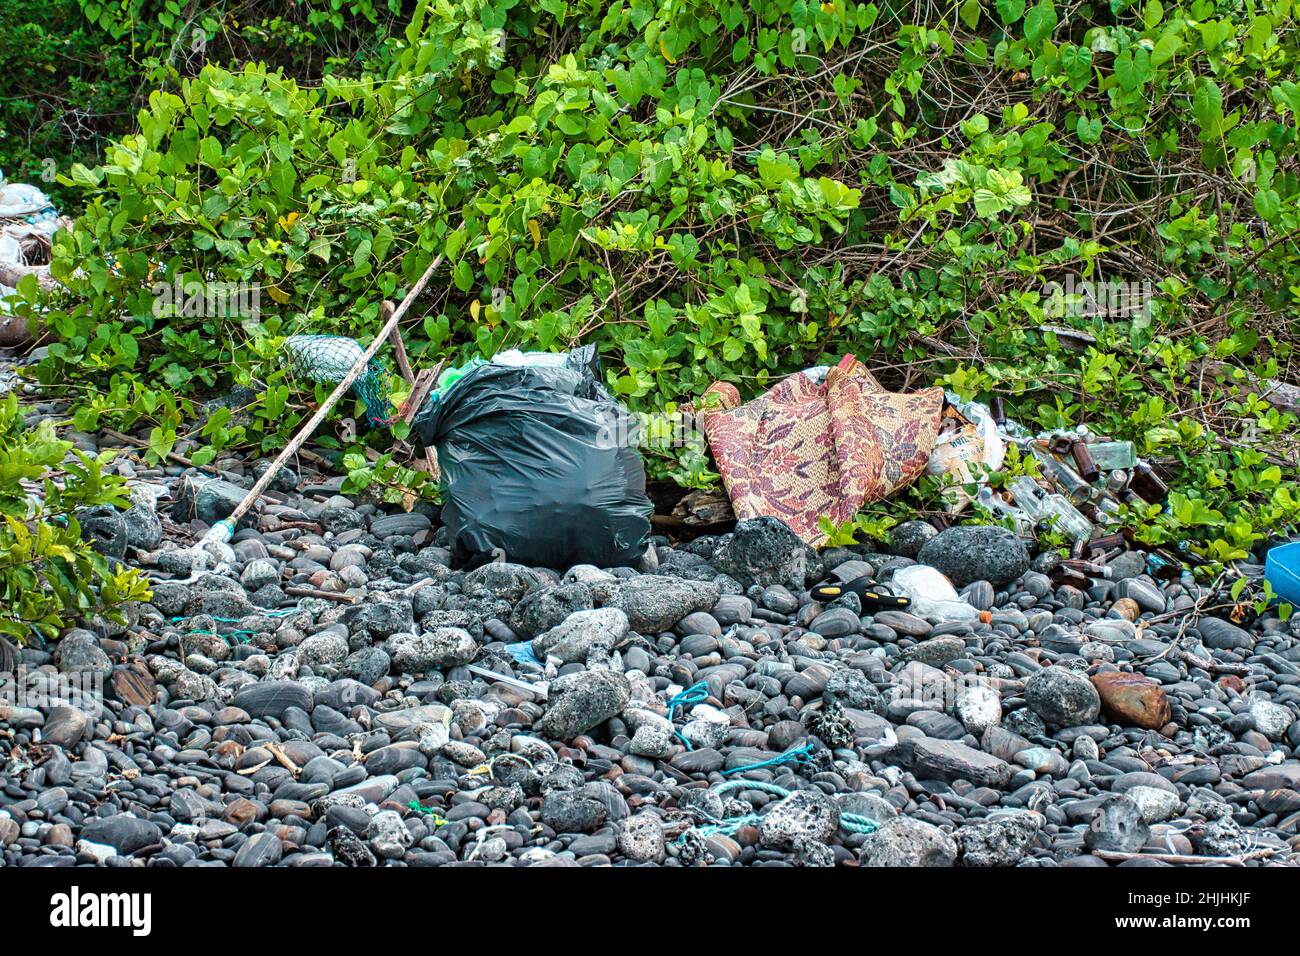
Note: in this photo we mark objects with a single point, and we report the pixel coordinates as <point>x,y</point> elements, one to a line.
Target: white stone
<point>1154,803</point>
<point>1271,720</point>
<point>978,708</point>
<point>100,851</point>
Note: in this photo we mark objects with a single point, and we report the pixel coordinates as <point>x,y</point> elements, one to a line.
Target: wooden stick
<point>1183,858</point>
<point>339,390</point>
<point>327,595</point>
<point>141,443</point>
<point>399,348</point>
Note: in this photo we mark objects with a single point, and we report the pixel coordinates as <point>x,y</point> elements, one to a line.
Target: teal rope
<point>758,785</point>
<point>853,822</point>
<point>697,693</point>
<point>801,755</point>
<point>241,635</point>
<point>726,827</point>
<point>434,817</point>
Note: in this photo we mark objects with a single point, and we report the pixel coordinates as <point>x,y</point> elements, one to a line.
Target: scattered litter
<point>817,446</point>
<point>1085,480</point>
<point>430,814</point>
<point>28,222</point>
<point>697,693</point>
<point>1042,505</point>
<point>539,689</point>
<point>864,587</point>
<point>522,651</point>
<point>329,358</point>
<point>797,755</point>
<point>968,436</point>
<point>932,595</point>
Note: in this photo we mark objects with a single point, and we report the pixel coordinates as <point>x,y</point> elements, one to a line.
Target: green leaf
<point>1040,21</point>
<point>1207,108</point>
<point>1010,10</point>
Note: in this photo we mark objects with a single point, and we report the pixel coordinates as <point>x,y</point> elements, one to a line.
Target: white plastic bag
<point>968,436</point>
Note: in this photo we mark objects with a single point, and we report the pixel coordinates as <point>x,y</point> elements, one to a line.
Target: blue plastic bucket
<point>1282,570</point>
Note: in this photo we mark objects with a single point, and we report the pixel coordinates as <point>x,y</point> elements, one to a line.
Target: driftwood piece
<point>324,595</point>
<point>702,508</point>
<point>1183,858</point>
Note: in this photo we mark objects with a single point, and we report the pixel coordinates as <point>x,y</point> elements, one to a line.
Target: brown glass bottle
<point>1147,485</point>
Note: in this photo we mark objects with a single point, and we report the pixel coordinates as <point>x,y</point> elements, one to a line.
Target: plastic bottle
<point>933,596</point>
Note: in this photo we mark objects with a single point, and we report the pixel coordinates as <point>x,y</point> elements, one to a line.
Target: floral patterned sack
<point>805,450</point>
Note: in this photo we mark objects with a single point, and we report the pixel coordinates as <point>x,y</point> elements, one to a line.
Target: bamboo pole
<point>225,529</point>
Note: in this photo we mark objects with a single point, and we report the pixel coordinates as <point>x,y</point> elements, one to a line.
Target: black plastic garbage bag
<point>539,467</point>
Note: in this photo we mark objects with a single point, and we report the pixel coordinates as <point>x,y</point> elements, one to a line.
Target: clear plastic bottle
<point>933,596</point>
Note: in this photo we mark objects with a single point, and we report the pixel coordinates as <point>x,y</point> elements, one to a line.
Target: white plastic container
<point>934,597</point>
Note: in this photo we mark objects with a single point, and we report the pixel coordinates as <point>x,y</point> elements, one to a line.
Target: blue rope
<point>726,827</point>
<point>241,636</point>
<point>852,822</point>
<point>697,693</point>
<point>800,755</point>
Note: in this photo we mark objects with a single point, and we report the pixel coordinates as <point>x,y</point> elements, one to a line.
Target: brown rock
<point>1127,608</point>
<point>133,685</point>
<point>1233,683</point>
<point>290,808</point>
<point>241,812</point>
<point>1002,743</point>
<point>1280,801</point>
<point>1132,699</point>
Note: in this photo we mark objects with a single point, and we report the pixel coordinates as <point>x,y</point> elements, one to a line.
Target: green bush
<point>736,190</point>
<point>48,574</point>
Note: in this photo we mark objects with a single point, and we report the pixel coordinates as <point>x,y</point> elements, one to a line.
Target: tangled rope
<point>852,822</point>
<point>238,632</point>
<point>436,818</point>
<point>799,755</point>
<point>697,693</point>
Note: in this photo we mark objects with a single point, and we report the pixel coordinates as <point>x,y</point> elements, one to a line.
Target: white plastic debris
<point>28,222</point>
<point>968,437</point>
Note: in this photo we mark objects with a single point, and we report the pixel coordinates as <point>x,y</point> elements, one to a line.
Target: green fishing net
<point>329,358</point>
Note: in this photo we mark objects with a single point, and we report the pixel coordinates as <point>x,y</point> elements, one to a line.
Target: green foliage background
<point>707,190</point>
